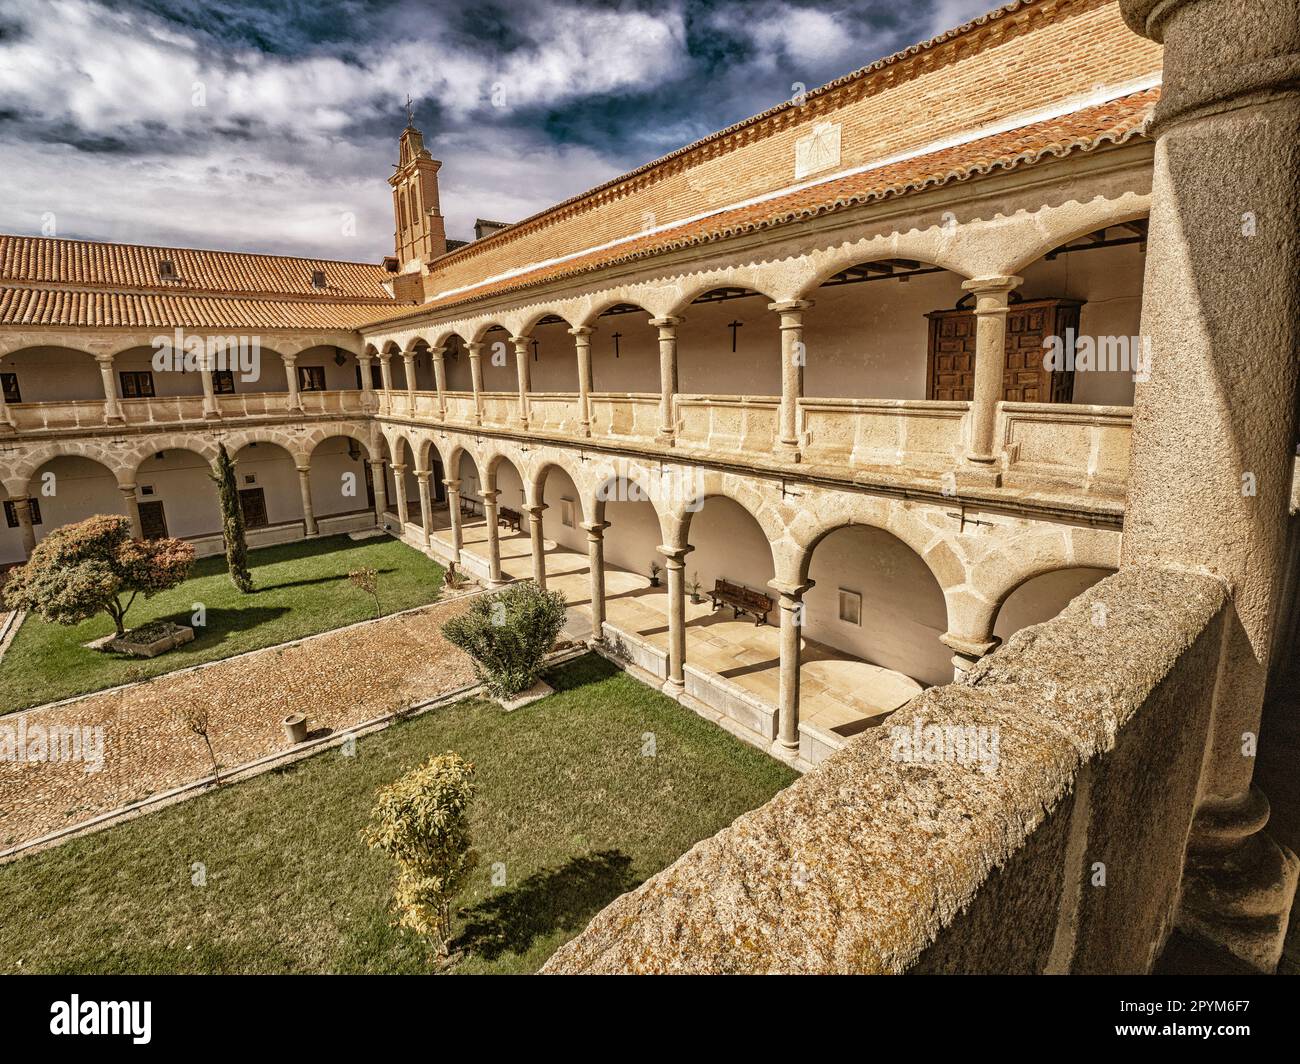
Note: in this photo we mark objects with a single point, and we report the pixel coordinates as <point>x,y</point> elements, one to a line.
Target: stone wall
<point>1066,858</point>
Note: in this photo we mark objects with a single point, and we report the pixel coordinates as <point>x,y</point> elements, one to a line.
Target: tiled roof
<point>88,264</point>
<point>61,307</point>
<point>1114,122</point>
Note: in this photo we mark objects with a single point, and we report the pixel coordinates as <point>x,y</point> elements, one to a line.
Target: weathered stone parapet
<point>1085,773</point>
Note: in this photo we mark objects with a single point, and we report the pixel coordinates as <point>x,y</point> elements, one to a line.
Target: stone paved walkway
<point>338,679</point>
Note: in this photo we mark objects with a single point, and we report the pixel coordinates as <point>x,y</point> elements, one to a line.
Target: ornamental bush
<point>422,822</point>
<point>508,635</point>
<point>86,568</point>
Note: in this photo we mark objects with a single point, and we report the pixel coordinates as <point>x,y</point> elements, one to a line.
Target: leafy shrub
<point>83,569</point>
<point>508,634</point>
<point>422,822</point>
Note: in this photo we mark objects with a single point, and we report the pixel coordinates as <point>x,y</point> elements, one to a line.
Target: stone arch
<point>293,444</point>
<point>101,452</point>
<point>692,290</point>
<point>689,499</point>
<point>1060,226</point>
<point>203,446</point>
<point>591,315</point>
<point>627,484</point>
<point>537,484</point>
<point>819,267</point>
<point>317,436</point>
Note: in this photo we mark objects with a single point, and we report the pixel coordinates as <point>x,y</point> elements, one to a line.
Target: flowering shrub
<point>83,569</point>
<point>508,635</point>
<point>422,822</point>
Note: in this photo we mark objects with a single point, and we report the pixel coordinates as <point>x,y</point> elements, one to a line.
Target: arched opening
<point>422,366</point>
<point>63,490</point>
<point>403,486</point>
<point>176,497</point>
<point>867,335</point>
<point>564,540</point>
<point>325,368</point>
<point>342,485</point>
<point>553,365</point>
<point>456,367</point>
<point>729,343</point>
<point>624,352</point>
<point>1042,597</point>
<point>497,362</point>
<point>1091,285</point>
<point>50,375</point>
<point>269,492</point>
<point>636,596</point>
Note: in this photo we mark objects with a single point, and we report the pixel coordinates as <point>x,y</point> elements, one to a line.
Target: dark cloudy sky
<point>266,125</point>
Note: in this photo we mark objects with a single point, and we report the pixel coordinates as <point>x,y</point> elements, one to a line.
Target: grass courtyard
<point>581,796</point>
<point>302,589</point>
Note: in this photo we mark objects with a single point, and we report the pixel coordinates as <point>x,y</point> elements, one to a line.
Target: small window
<point>9,384</point>
<point>11,513</point>
<point>311,378</point>
<point>223,381</point>
<point>318,278</point>
<point>850,607</point>
<point>566,513</point>
<point>137,384</point>
<point>250,478</point>
<point>166,270</point>
<point>146,489</point>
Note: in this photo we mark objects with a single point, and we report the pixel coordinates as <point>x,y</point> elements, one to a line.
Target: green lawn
<point>570,810</point>
<point>302,588</point>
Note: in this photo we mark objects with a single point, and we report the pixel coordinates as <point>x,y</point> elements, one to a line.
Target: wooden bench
<point>741,600</point>
<point>468,507</point>
<point>510,518</point>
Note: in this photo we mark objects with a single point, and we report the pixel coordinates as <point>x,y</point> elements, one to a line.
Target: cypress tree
<point>232,521</point>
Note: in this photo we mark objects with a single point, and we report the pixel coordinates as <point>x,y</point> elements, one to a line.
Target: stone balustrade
<point>1023,835</point>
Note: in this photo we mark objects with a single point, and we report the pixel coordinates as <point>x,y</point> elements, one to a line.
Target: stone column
<point>132,509</point>
<point>408,361</point>
<point>23,508</point>
<point>525,376</point>
<point>112,408</point>
<point>596,562</point>
<point>291,375</point>
<point>538,543</point>
<point>440,379</point>
<point>399,489</point>
<point>453,512</point>
<point>379,481</point>
<point>367,386</point>
<point>1214,426</point>
<point>308,512</point>
<point>582,344</point>
<point>426,506</point>
<point>967,651</point>
<point>991,296</point>
<point>667,375</point>
<point>792,366</point>
<point>211,408</point>
<point>475,352</point>
<point>493,536</point>
<point>791,600</point>
<point>675,565</point>
<point>386,370</point>
<point>6,424</point>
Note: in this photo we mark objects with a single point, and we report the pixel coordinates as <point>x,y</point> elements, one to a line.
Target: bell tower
<point>419,232</point>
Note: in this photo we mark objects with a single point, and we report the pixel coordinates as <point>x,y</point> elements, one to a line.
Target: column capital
<point>675,556</point>
<point>289,359</point>
<point>422,475</point>
<point>489,494</point>
<point>968,647</point>
<point>582,331</point>
<point>474,348</point>
<point>437,352</point>
<point>365,357</point>
<point>384,356</point>
<point>303,470</point>
<point>991,285</point>
<point>793,592</point>
<point>669,321</point>
<point>521,340</point>
<point>104,358</point>
<point>453,484</point>
<point>785,306</point>
<point>399,467</point>
<point>595,529</point>
<point>125,489</point>
<point>536,510</point>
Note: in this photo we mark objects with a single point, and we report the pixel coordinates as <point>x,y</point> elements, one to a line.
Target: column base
<point>1238,883</point>
<point>674,688</point>
<point>788,450</point>
<point>114,419</point>
<point>6,429</point>
<point>666,438</point>
<point>979,473</point>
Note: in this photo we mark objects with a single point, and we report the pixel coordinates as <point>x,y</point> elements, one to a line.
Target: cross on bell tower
<point>419,231</point>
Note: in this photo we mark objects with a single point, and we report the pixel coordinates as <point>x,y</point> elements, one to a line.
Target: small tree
<point>86,568</point>
<point>367,580</point>
<point>422,822</point>
<point>194,717</point>
<point>508,635</point>
<point>232,520</point>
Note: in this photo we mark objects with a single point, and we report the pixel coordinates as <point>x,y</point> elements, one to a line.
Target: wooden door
<point>951,370</point>
<point>153,521</point>
<point>253,502</point>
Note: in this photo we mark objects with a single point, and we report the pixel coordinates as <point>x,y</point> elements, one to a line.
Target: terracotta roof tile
<point>89,264</point>
<point>62,307</point>
<point>1114,122</point>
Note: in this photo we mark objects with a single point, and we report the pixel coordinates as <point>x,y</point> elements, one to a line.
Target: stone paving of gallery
<point>338,679</point>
